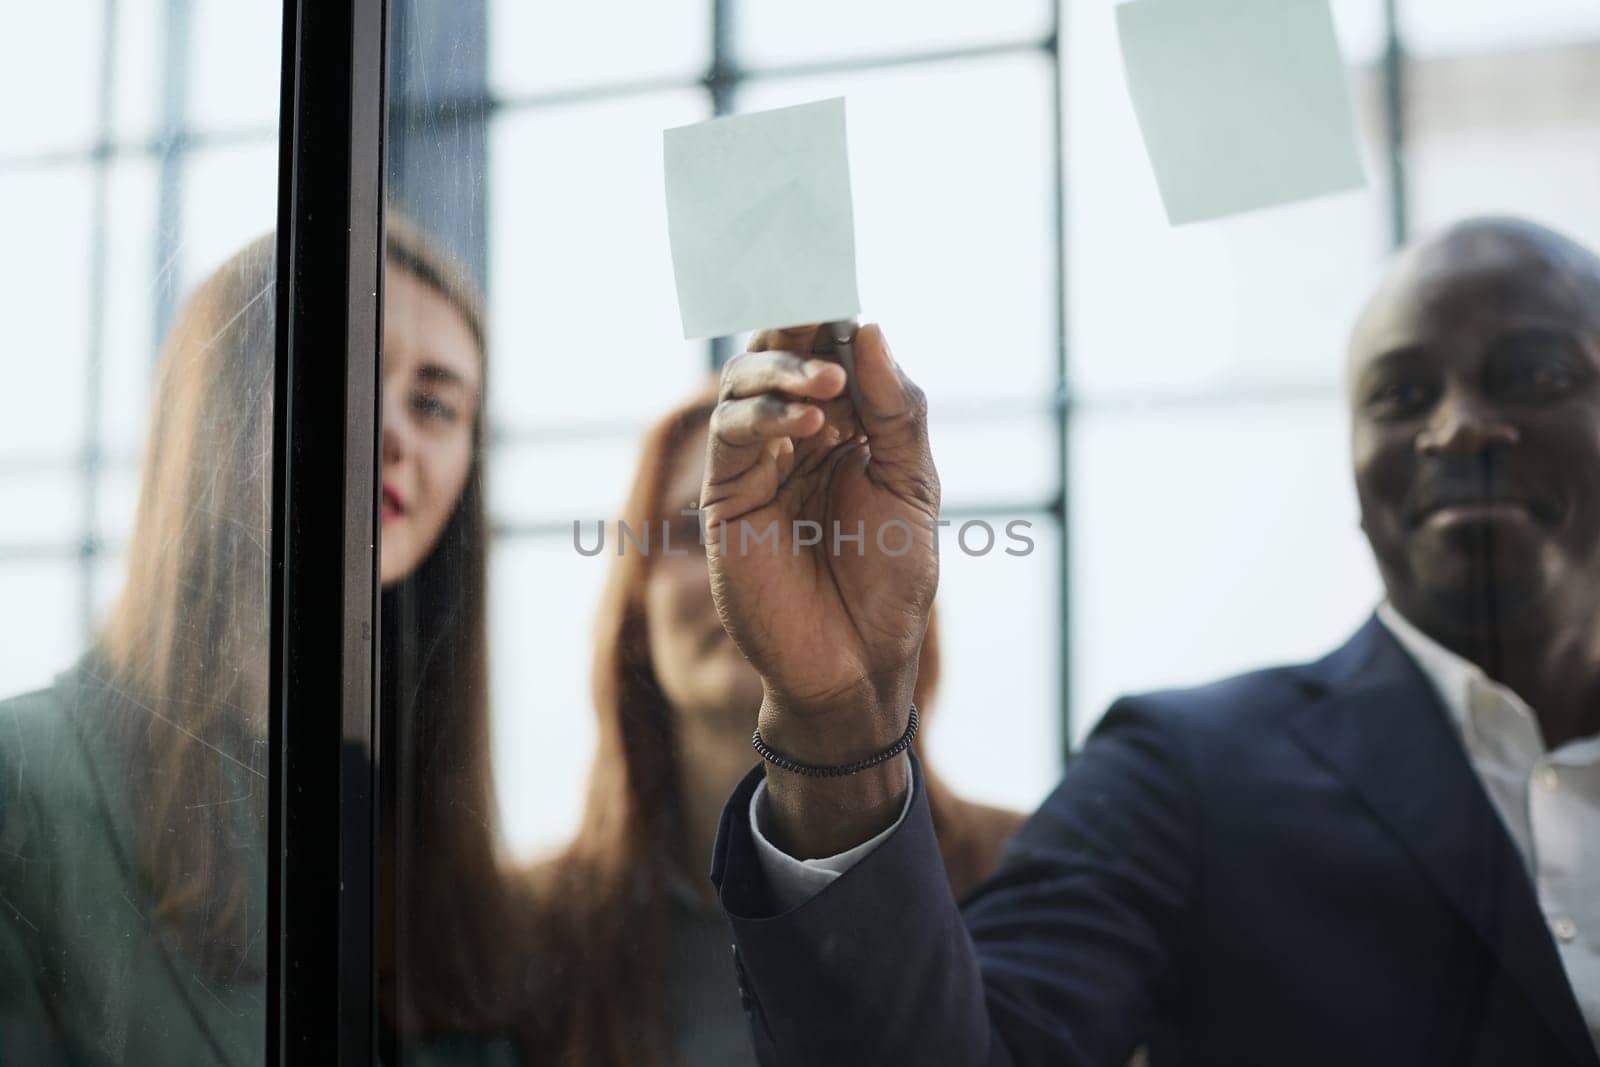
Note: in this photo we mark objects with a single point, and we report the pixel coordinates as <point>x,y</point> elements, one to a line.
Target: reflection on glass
<point>135,466</point>
<point>450,944</point>
<point>133,810</point>
<point>631,957</point>
<point>950,181</point>
<point>571,242</point>
<point>1509,132</point>
<point>776,33</point>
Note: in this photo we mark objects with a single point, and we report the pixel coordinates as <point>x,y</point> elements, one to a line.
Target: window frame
<point>321,926</point>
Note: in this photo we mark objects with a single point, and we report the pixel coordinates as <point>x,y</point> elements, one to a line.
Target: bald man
<point>1388,856</point>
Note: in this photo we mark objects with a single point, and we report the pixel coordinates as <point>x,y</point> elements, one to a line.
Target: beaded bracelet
<point>837,772</point>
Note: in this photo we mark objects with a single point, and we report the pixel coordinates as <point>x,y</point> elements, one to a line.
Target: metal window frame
<point>323,831</point>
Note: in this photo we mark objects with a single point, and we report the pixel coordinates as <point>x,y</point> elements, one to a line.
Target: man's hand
<point>824,563</point>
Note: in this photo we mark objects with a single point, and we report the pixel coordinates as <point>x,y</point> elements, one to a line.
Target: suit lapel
<point>1377,723</point>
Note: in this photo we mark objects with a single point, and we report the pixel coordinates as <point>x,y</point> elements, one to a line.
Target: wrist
<point>823,816</point>
<point>836,731</point>
<point>813,818</point>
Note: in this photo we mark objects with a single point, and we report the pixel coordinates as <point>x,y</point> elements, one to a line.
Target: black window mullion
<point>322,834</point>
<point>1061,406</point>
<point>1394,111</point>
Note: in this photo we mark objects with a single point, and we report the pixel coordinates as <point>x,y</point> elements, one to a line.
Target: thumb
<point>894,410</point>
<point>887,395</point>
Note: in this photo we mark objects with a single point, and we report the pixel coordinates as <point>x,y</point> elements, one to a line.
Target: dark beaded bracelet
<point>837,772</point>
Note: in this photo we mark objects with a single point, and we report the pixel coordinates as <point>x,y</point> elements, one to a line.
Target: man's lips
<point>1451,508</point>
<point>1482,511</point>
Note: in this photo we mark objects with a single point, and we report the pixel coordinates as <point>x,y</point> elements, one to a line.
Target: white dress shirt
<point>1549,801</point>
<point>792,881</point>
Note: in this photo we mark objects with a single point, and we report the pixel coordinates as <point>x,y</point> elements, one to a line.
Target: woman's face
<point>701,670</point>
<point>431,382</point>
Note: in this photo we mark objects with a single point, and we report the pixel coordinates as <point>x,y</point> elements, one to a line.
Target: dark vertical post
<point>721,81</point>
<point>321,973</point>
<point>1394,113</point>
<point>1062,401</point>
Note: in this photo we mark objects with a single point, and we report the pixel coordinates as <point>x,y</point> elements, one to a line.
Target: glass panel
<point>228,199</point>
<point>544,725</point>
<point>545,47</point>
<point>452,955</point>
<point>982,463</point>
<point>233,55</point>
<point>991,197</point>
<point>785,32</point>
<point>609,677</point>
<point>44,506</point>
<point>46,211</point>
<point>1265,297</point>
<point>1001,458</point>
<point>997,604</point>
<point>134,551</point>
<point>571,717</point>
<point>1192,531</point>
<point>69,34</point>
<point>110,577</point>
<point>132,294</point>
<point>1362,30</point>
<point>143,28</point>
<point>1515,133</point>
<point>1448,27</point>
<point>580,237</point>
<point>557,479</point>
<point>37,641</point>
<point>116,501</point>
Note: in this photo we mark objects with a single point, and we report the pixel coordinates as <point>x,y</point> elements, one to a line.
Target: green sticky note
<point>759,217</point>
<point>1243,104</point>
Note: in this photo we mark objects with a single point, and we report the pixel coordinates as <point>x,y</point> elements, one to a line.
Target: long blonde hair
<point>186,648</point>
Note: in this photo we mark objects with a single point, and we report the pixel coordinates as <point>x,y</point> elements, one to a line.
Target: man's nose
<point>1465,424</point>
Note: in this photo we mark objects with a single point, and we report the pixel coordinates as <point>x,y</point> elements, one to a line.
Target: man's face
<point>1475,407</point>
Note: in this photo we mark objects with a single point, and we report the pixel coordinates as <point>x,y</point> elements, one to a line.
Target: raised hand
<point>823,554</point>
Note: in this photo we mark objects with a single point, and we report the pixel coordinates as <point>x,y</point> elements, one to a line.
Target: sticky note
<point>1243,103</point>
<point>759,217</point>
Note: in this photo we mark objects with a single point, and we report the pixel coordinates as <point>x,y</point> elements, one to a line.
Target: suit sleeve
<point>1064,957</point>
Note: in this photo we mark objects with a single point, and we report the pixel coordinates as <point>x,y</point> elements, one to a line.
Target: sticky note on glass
<point>758,212</point>
<point>1243,103</point>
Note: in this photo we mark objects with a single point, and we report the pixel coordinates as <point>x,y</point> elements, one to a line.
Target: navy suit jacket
<point>1292,867</point>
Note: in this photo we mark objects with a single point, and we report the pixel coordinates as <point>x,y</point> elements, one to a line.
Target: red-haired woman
<point>634,961</point>
<point>133,791</point>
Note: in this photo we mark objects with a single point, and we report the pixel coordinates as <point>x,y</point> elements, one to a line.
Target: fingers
<point>755,373</point>
<point>756,419</point>
<point>750,451</point>
<point>770,395</point>
<point>807,339</point>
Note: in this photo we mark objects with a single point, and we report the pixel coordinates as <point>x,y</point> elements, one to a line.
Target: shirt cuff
<point>792,881</point>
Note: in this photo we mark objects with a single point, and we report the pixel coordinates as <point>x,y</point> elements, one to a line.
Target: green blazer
<point>85,976</point>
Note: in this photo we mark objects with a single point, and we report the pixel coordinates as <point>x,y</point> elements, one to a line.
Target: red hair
<point>602,899</point>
